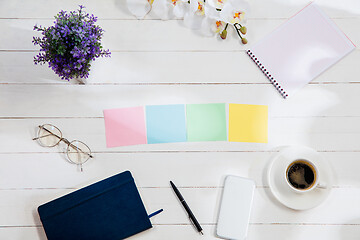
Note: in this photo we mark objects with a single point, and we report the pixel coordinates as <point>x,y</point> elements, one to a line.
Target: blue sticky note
<point>165,123</point>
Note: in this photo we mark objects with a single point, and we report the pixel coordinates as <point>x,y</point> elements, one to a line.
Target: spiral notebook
<point>300,49</point>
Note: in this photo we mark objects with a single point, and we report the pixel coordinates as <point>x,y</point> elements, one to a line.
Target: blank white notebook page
<point>300,49</point>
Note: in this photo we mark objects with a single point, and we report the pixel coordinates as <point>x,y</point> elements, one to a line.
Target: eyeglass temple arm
<point>43,136</point>
<point>62,139</point>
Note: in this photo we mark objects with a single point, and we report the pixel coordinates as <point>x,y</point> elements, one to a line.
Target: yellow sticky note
<point>248,123</point>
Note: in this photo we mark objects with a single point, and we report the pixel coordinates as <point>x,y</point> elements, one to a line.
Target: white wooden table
<point>162,62</point>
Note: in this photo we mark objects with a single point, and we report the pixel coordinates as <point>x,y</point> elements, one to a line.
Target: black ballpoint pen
<point>187,209</point>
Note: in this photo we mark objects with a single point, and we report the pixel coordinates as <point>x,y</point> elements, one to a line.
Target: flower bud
<point>244,40</point>
<point>243,30</point>
<point>223,34</point>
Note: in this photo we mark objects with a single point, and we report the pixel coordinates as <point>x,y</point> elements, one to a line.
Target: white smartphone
<point>235,208</point>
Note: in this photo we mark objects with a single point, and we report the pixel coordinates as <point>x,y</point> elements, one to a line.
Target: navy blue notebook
<point>108,210</point>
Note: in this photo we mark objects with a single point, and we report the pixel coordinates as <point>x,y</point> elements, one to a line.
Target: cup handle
<point>321,185</point>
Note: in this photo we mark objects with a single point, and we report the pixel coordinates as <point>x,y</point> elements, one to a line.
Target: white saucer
<point>280,188</point>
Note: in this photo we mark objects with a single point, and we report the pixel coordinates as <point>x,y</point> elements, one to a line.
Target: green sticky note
<point>206,122</point>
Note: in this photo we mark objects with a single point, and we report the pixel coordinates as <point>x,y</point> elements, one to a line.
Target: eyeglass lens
<point>49,135</point>
<point>78,152</point>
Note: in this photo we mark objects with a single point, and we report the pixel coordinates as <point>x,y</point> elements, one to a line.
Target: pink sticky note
<point>125,126</point>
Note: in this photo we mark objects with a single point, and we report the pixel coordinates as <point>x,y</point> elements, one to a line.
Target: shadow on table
<point>40,229</point>
<point>265,181</point>
<point>18,55</point>
<point>277,207</point>
<point>219,195</point>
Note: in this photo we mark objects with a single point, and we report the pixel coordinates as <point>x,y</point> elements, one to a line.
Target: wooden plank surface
<point>162,62</point>
<point>314,100</point>
<point>217,165</point>
<point>312,131</point>
<point>256,231</point>
<point>165,68</point>
<point>120,34</point>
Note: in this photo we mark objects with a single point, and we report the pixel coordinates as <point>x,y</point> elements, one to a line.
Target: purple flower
<point>71,44</point>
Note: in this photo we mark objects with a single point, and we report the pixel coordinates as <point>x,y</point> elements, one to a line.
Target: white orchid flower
<point>234,11</point>
<point>210,27</point>
<point>222,12</point>
<point>139,8</point>
<point>217,4</point>
<point>197,7</point>
<point>208,17</point>
<point>195,16</point>
<point>205,17</point>
<point>168,9</point>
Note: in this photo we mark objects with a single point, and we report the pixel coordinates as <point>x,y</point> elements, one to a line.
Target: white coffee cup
<point>302,176</point>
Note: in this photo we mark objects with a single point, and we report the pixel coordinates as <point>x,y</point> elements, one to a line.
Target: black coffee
<point>301,175</point>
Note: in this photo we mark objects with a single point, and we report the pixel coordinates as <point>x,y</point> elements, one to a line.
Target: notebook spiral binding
<point>267,74</point>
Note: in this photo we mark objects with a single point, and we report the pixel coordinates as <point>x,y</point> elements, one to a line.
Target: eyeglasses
<point>77,152</point>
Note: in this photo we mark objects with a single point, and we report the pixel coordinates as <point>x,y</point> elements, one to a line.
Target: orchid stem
<point>226,26</point>
<point>237,30</point>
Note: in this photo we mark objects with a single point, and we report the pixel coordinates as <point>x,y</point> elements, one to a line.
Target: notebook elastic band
<point>267,74</point>
<point>155,213</point>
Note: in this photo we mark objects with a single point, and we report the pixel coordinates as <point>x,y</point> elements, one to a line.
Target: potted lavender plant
<point>71,44</point>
